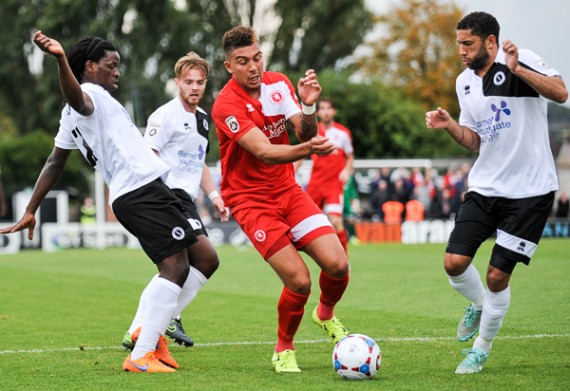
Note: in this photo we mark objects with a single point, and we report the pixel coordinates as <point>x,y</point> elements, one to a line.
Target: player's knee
<point>337,269</point>
<point>203,257</point>
<point>497,280</point>
<point>210,266</point>
<point>300,284</point>
<point>175,268</point>
<point>455,264</point>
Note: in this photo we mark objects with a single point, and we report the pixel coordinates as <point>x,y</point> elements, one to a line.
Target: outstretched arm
<point>440,119</point>
<point>49,175</point>
<point>69,85</point>
<point>256,143</point>
<point>552,88</point>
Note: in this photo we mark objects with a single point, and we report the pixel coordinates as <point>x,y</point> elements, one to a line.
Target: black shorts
<point>518,224</point>
<point>155,216</point>
<point>190,211</point>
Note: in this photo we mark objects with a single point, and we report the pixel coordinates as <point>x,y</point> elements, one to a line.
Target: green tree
<point>24,156</point>
<point>418,53</point>
<point>150,35</point>
<point>558,119</point>
<point>316,34</point>
<point>384,122</point>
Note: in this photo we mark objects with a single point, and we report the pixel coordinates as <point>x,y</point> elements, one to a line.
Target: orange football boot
<point>161,352</point>
<point>149,363</point>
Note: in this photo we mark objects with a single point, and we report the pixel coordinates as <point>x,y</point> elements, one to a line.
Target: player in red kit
<point>330,173</point>
<point>258,183</point>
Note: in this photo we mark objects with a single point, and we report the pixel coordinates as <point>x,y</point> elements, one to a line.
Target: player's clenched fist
<point>321,146</point>
<point>437,119</point>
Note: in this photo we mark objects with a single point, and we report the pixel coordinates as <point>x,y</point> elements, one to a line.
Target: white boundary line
<point>389,339</point>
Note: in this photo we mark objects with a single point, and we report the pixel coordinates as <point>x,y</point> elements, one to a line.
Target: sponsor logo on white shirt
<point>490,129</point>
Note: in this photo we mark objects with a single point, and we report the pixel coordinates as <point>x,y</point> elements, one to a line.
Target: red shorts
<point>292,217</point>
<point>331,201</point>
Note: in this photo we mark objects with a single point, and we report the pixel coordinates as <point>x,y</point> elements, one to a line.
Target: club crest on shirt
<point>276,96</point>
<point>205,124</point>
<point>499,78</point>
<point>232,124</point>
<point>152,132</point>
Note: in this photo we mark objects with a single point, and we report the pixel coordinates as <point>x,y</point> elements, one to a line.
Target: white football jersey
<point>515,159</point>
<point>181,139</point>
<point>110,142</point>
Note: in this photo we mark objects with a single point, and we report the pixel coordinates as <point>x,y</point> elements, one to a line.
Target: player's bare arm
<point>51,172</point>
<point>306,126</point>
<point>552,88</point>
<point>70,87</point>
<point>309,91</point>
<point>208,187</point>
<point>440,119</point>
<point>256,143</point>
<point>348,169</point>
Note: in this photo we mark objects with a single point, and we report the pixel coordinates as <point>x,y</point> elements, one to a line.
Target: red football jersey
<point>326,169</point>
<point>244,177</point>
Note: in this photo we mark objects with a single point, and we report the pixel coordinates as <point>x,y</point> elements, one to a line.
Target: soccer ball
<point>356,357</point>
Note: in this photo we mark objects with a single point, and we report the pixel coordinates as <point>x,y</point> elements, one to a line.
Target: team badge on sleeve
<point>232,124</point>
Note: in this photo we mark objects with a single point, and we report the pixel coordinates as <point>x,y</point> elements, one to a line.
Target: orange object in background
<point>378,232</point>
<point>415,210</point>
<point>392,212</point>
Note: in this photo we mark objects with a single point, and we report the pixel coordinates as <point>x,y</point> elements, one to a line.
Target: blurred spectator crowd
<point>393,195</point>
<point>400,194</point>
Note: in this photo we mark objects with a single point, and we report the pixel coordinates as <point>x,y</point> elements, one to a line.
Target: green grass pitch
<point>62,316</point>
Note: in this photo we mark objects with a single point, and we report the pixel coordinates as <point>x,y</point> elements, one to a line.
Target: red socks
<point>291,307</point>
<point>290,310</point>
<point>332,290</point>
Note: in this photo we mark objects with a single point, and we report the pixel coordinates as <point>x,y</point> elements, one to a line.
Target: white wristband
<point>308,110</point>
<point>213,195</point>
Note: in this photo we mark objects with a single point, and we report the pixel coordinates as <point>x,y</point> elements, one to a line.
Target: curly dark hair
<point>238,37</point>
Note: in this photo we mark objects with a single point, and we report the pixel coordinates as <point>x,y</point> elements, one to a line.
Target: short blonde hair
<point>191,61</point>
